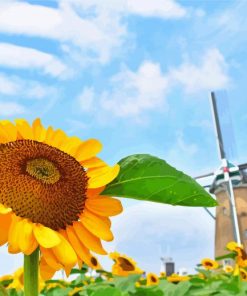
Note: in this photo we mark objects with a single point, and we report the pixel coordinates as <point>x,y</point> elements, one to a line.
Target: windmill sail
<point>225,127</point>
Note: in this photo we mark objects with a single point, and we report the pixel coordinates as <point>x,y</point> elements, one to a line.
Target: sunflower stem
<point>31,274</point>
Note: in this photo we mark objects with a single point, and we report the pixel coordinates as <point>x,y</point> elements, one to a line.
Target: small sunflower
<point>6,280</point>
<point>175,278</point>
<point>228,269</point>
<point>241,257</point>
<point>124,265</point>
<point>209,264</point>
<point>18,280</point>
<point>243,274</point>
<point>233,246</point>
<point>50,187</point>
<point>152,279</point>
<point>162,274</point>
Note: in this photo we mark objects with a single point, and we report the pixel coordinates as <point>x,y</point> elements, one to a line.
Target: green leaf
<point>146,177</point>
<point>229,255</point>
<point>125,283</point>
<point>109,291</point>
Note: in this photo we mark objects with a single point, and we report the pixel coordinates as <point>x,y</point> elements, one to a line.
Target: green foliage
<point>146,177</point>
<point>215,282</point>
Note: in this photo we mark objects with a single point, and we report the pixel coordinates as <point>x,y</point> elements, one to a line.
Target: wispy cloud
<point>20,57</point>
<point>132,94</point>
<point>11,109</point>
<point>16,87</point>
<point>68,24</point>
<point>156,8</point>
<point>209,74</point>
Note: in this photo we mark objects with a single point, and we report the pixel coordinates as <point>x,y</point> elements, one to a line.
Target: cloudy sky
<point>135,74</point>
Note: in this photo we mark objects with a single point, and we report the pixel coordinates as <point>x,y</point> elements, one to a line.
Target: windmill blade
<point>223,125</point>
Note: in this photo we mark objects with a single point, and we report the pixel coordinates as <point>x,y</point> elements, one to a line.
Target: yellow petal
<point>59,138</point>
<point>13,237</point>
<point>71,145</point>
<point>10,128</point>
<point>79,248</point>
<point>4,138</point>
<point>5,222</point>
<point>24,129</point>
<point>50,258</point>
<point>39,131</point>
<point>4,210</point>
<point>90,241</point>
<point>102,176</point>
<point>49,135</point>
<point>93,162</point>
<point>27,242</point>
<point>104,206</point>
<point>88,149</point>
<point>46,272</point>
<point>94,192</point>
<point>64,252</point>
<point>99,226</point>
<point>67,270</point>
<point>45,236</point>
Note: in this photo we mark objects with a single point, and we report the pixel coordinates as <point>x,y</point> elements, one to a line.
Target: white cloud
<point>132,92</point>
<point>7,86</point>
<point>88,31</point>
<point>210,74</point>
<point>25,58</point>
<point>83,34</point>
<point>156,8</point>
<point>11,85</point>
<point>148,230</point>
<point>11,109</point>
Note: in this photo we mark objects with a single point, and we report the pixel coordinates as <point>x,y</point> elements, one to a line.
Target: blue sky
<point>135,74</point>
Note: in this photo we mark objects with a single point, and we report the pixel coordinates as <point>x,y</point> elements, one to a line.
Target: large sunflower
<point>49,195</point>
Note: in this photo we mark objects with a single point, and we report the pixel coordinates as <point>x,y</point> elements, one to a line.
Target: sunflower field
<point>127,279</point>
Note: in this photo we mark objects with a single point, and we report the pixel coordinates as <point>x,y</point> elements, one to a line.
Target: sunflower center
<point>153,279</point>
<point>43,170</point>
<point>94,261</point>
<point>208,264</point>
<point>42,183</point>
<point>125,264</point>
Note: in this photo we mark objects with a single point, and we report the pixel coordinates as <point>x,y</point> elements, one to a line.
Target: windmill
<point>229,185</point>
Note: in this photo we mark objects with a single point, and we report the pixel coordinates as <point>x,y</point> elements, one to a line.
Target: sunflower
<point>175,278</point>
<point>162,274</point>
<point>228,269</point>
<point>233,246</point>
<point>50,187</point>
<point>209,264</point>
<point>243,274</point>
<point>152,279</point>
<point>124,265</point>
<point>5,280</point>
<point>18,280</point>
<point>241,257</point>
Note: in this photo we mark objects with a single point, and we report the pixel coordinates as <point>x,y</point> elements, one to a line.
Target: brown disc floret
<point>41,183</point>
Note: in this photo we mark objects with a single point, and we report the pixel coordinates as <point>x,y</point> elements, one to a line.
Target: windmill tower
<point>230,189</point>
